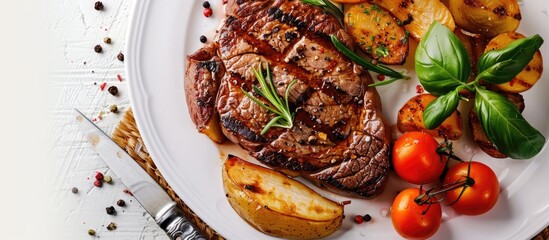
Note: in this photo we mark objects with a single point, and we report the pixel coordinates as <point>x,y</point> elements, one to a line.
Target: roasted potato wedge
<point>377,32</point>
<point>417,15</point>
<point>410,118</point>
<point>276,204</point>
<point>486,17</point>
<point>479,136</point>
<point>202,79</point>
<point>531,73</point>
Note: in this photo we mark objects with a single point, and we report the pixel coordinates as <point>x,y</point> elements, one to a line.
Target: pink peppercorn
<point>208,12</point>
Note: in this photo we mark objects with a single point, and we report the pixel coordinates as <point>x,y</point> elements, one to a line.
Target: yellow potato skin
<point>377,32</point>
<point>486,17</point>
<point>418,15</point>
<point>531,73</point>
<point>410,118</point>
<point>248,194</point>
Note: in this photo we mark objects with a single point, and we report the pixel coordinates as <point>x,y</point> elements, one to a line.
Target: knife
<point>147,191</point>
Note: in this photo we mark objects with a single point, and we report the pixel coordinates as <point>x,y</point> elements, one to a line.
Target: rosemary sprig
<point>278,105</point>
<point>327,6</point>
<point>378,68</point>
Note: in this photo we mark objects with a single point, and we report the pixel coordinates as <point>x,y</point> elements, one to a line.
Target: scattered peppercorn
<point>203,39</point>
<point>108,179</point>
<point>111,226</point>
<point>113,90</point>
<point>367,217</point>
<point>98,183</point>
<point>206,4</point>
<point>121,203</point>
<point>74,190</point>
<point>120,57</point>
<point>208,12</point>
<point>358,219</point>
<point>99,6</point>
<point>111,210</point>
<point>419,89</point>
<point>380,77</point>
<point>98,48</point>
<point>99,176</point>
<point>114,109</point>
<point>91,232</point>
<point>107,40</point>
<point>126,191</point>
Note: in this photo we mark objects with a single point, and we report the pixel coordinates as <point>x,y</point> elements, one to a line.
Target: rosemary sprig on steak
<point>327,6</point>
<point>278,105</point>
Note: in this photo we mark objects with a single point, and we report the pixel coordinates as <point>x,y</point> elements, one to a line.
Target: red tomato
<point>415,158</point>
<point>408,219</point>
<point>478,197</point>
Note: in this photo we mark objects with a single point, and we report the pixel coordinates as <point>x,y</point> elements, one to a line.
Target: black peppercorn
<point>120,57</point>
<point>113,90</point>
<point>121,203</point>
<point>367,218</point>
<point>110,210</point>
<point>206,4</point>
<point>74,190</point>
<point>98,48</point>
<point>203,39</point>
<point>111,226</point>
<point>114,109</point>
<point>99,6</point>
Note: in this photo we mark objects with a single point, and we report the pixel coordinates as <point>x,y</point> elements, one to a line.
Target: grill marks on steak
<point>340,139</point>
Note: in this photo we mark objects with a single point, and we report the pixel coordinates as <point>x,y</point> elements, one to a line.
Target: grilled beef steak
<point>339,140</point>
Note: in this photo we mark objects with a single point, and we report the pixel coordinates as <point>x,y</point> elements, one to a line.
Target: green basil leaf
<point>501,66</point>
<point>439,109</point>
<point>442,62</point>
<point>502,122</point>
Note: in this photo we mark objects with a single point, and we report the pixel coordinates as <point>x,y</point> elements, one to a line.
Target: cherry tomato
<point>408,219</point>
<point>415,158</point>
<point>478,197</point>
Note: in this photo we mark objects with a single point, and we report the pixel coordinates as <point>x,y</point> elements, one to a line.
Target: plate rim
<point>145,124</point>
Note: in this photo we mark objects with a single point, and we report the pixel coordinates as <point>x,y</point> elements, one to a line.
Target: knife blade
<point>145,189</point>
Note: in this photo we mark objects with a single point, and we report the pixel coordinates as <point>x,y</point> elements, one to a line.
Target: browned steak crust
<point>340,139</point>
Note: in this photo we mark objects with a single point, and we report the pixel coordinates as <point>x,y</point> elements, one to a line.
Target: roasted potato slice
<point>410,118</point>
<point>487,17</point>
<point>531,73</point>
<point>479,136</point>
<point>377,32</point>
<point>276,204</point>
<point>475,44</point>
<point>417,15</point>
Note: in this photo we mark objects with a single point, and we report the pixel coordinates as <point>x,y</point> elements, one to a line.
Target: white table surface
<point>78,71</point>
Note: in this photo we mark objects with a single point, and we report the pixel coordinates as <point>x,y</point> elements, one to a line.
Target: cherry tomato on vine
<point>408,218</point>
<point>415,158</point>
<point>480,195</point>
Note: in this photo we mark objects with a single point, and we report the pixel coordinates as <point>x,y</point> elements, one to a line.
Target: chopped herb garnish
<point>278,105</point>
<point>376,8</point>
<point>367,11</point>
<point>382,51</point>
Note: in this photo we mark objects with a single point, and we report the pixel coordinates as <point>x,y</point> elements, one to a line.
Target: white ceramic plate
<point>163,32</point>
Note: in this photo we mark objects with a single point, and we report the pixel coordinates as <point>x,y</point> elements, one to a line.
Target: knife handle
<point>177,226</point>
